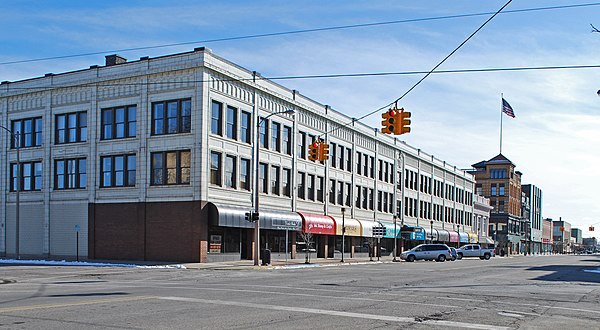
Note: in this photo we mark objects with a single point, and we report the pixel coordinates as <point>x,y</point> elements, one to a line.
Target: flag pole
<point>501,105</point>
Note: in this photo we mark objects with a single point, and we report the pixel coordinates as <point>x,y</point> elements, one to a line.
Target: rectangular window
<point>70,174</point>
<point>28,131</point>
<point>501,190</point>
<point>172,117</point>
<point>365,198</point>
<point>118,123</point>
<point>380,170</point>
<point>379,200</point>
<point>358,163</point>
<point>173,167</point>
<point>340,157</point>
<point>263,182</point>
<point>31,176</point>
<point>246,127</point>
<point>494,190</point>
<point>334,152</point>
<point>385,202</point>
<point>286,142</point>
<point>332,191</point>
<point>348,192</point>
<point>286,182</point>
<point>340,194</point>
<point>231,130</point>
<point>263,133</point>
<point>216,118</point>
<point>230,171</point>
<point>372,167</point>
<point>117,171</point>
<point>365,165</point>
<point>371,197</point>
<point>71,127</point>
<point>301,185</point>
<point>310,187</point>
<point>348,159</point>
<point>275,136</point>
<point>275,180</point>
<point>320,192</point>
<point>215,167</point>
<point>358,197</point>
<point>244,174</point>
<point>302,146</point>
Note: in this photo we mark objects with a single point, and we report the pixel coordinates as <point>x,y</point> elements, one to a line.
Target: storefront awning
<point>443,235</point>
<point>485,240</point>
<point>464,237</point>
<point>317,224</point>
<point>367,227</point>
<point>413,233</point>
<point>431,236</point>
<point>473,238</point>
<point>233,216</point>
<point>454,237</point>
<point>390,232</point>
<point>353,227</point>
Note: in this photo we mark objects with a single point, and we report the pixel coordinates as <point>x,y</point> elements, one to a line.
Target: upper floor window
<point>232,122</point>
<point>501,190</point>
<point>119,123</point>
<point>498,173</point>
<point>30,176</point>
<point>320,193</point>
<point>215,168</point>
<point>170,167</point>
<point>216,119</point>
<point>117,171</point>
<point>263,133</point>
<point>230,171</point>
<point>71,127</point>
<point>275,136</point>
<point>286,182</point>
<point>301,185</point>
<point>171,117</point>
<point>275,180</point>
<point>28,132</point>
<point>245,127</point>
<point>263,185</point>
<point>286,140</point>
<point>70,174</point>
<point>245,174</point>
<point>302,146</point>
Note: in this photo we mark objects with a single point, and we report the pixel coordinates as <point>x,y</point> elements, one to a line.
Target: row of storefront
<point>231,236</point>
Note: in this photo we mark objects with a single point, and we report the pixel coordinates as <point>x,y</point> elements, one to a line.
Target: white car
<point>437,252</point>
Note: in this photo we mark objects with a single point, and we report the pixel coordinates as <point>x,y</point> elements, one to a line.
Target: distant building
<point>561,235</point>
<point>481,218</point>
<point>497,180</point>
<point>534,199</point>
<point>590,244</point>
<point>576,239</point>
<point>546,236</point>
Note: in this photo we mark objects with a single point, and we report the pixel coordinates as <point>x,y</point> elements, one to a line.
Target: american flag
<point>507,109</point>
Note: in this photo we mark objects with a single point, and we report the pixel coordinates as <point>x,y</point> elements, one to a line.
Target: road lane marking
<point>339,313</point>
<point>79,303</point>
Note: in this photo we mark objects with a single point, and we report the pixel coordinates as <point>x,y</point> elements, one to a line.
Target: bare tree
<point>308,241</point>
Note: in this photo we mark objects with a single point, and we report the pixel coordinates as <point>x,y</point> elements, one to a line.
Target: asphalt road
<point>551,292</point>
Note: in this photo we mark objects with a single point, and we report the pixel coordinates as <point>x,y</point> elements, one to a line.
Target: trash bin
<point>266,257</point>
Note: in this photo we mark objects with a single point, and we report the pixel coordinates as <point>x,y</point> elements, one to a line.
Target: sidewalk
<point>282,263</point>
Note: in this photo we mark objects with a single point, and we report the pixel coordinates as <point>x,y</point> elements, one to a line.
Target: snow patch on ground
<point>592,270</point>
<point>84,263</point>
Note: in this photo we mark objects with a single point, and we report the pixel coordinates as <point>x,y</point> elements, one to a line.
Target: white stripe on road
<point>339,313</point>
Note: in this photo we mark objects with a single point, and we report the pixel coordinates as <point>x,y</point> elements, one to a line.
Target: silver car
<point>437,252</point>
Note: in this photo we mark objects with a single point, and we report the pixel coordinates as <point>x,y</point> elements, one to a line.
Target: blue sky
<point>554,140</point>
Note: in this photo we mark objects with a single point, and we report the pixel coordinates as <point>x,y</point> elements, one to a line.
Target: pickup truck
<point>474,250</point>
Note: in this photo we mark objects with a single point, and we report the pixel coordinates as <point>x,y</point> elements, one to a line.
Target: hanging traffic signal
<point>323,151</point>
<point>403,122</point>
<point>591,228</point>
<point>389,122</point>
<point>314,151</point>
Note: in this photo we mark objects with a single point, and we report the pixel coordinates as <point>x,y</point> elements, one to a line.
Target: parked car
<point>454,256</point>
<point>474,250</point>
<point>437,252</point>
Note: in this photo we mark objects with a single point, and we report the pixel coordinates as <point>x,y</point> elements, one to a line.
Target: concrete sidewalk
<point>282,263</point>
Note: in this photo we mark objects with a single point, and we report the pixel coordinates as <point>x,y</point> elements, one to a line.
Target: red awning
<point>317,224</point>
<point>454,237</point>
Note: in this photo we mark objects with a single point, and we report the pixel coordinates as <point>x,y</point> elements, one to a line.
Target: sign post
<point>77,228</point>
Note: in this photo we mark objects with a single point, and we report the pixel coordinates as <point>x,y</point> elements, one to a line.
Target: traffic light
<point>403,122</point>
<point>323,151</point>
<point>314,151</point>
<point>389,122</point>
<point>248,216</point>
<point>254,216</point>
<point>591,228</point>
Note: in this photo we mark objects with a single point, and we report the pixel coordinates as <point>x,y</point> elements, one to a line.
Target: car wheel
<point>410,258</point>
<point>441,258</point>
<point>453,259</point>
<point>486,256</point>
<point>459,256</point>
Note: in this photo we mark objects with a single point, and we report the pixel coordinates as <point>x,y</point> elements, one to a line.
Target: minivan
<point>437,252</point>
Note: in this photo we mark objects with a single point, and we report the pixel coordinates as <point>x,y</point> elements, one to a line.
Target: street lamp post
<point>431,228</point>
<point>343,231</point>
<point>256,153</point>
<point>16,140</point>
<point>395,238</point>
<point>402,205</point>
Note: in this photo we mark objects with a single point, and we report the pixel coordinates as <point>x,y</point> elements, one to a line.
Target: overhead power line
<point>274,34</point>
<point>324,76</point>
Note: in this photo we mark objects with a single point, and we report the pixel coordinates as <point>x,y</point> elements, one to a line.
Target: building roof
<point>499,159</point>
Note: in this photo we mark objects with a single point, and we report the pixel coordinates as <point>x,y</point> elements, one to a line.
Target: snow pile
<point>84,263</point>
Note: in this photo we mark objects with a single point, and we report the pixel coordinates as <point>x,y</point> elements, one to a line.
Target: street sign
<point>77,228</point>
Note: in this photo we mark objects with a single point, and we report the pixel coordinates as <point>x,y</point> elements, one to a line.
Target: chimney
<point>114,60</point>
